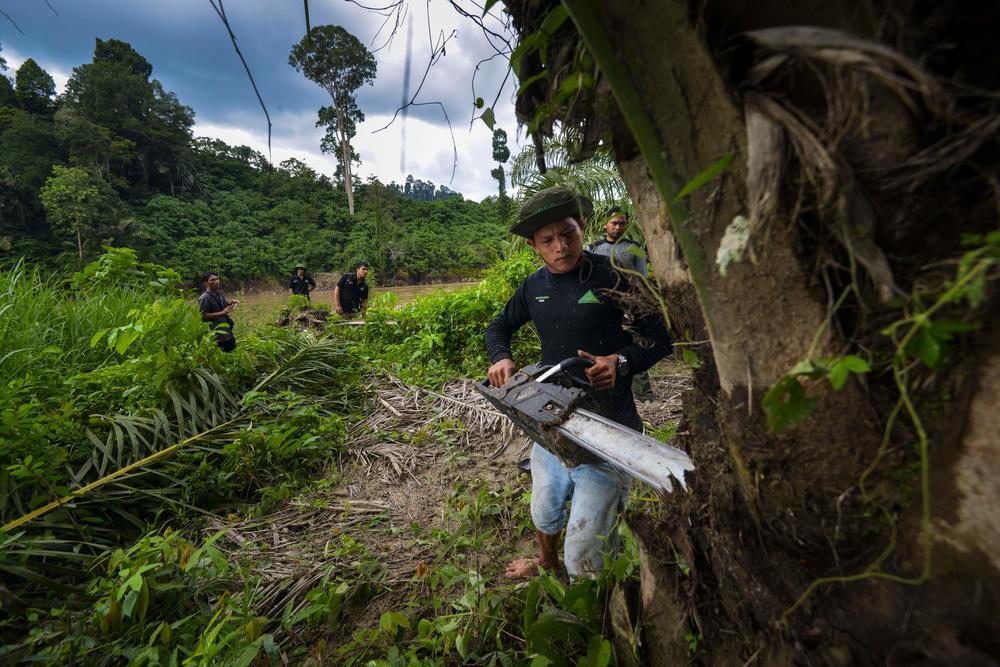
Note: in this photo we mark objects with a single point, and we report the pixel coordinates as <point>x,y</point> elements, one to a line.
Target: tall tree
<point>500,155</point>
<point>34,87</point>
<point>77,201</point>
<point>7,95</point>
<point>114,91</point>
<point>340,64</point>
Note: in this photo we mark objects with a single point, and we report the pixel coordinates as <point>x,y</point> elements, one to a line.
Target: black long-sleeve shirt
<point>573,311</point>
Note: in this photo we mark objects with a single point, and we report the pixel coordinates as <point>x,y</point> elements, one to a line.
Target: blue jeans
<point>597,494</point>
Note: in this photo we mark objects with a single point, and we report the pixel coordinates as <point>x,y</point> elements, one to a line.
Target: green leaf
<point>530,606</point>
<point>690,358</point>
<point>842,367</point>
<point>97,337</point>
<point>488,5</point>
<point>554,19</point>
<point>945,330</point>
<point>247,655</point>
<point>134,582</point>
<point>786,404</point>
<point>392,621</point>
<point>129,603</point>
<point>489,118</point>
<point>480,103</point>
<point>530,80</point>
<point>569,85</point>
<point>462,644</point>
<point>636,250</point>
<point>929,349</point>
<point>125,338</point>
<point>704,177</point>
<point>598,653</point>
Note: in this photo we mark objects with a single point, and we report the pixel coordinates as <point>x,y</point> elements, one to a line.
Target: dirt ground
<point>400,479</point>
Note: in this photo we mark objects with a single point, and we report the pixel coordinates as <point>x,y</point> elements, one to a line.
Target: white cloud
<point>429,151</point>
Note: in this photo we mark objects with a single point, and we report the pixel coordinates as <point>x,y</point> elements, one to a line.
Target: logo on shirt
<point>589,297</point>
<point>542,298</point>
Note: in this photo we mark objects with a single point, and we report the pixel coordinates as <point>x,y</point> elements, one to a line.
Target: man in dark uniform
<point>628,255</point>
<point>301,283</point>
<point>569,304</point>
<point>215,309</point>
<point>625,252</point>
<point>350,296</point>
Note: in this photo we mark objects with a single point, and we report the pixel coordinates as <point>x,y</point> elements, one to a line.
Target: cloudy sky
<point>192,56</point>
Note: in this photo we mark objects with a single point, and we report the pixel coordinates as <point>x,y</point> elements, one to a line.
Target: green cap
<point>548,206</point>
<point>298,266</point>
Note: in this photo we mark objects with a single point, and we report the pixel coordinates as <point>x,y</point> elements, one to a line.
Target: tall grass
<point>45,328</point>
<point>98,439</point>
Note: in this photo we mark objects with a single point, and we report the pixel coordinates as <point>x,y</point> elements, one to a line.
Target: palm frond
<point>208,416</point>
<point>597,178</point>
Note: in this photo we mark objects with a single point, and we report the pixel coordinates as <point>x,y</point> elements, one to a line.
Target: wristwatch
<point>622,364</point>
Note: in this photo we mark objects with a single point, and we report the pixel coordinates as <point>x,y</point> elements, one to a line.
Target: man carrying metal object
<point>568,301</point>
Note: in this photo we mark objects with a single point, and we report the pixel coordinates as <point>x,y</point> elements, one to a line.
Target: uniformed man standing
<point>350,296</point>
<point>628,255</point>
<point>625,252</point>
<point>569,303</point>
<point>215,309</point>
<point>301,283</point>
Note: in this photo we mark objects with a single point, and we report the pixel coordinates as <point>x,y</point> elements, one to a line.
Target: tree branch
<point>221,11</point>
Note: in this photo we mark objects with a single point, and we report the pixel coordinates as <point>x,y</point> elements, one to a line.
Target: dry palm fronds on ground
<point>401,477</point>
<point>397,469</point>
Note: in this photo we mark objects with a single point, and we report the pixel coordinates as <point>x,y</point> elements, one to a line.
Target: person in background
<point>628,255</point>
<point>301,283</point>
<point>350,296</point>
<point>624,252</point>
<point>568,302</point>
<point>215,309</point>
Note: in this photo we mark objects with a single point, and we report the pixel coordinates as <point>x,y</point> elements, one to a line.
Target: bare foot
<point>524,568</point>
<point>521,568</point>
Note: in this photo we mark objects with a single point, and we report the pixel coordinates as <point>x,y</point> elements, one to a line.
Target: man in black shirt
<point>215,309</point>
<point>618,246</point>
<point>568,301</point>
<point>301,283</point>
<point>350,296</point>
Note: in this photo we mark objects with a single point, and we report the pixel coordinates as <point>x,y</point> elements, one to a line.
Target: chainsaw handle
<point>565,365</point>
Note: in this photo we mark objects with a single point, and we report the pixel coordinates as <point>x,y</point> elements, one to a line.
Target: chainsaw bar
<point>553,415</point>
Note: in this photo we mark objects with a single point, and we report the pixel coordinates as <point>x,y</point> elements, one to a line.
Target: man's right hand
<point>500,372</point>
<point>340,311</point>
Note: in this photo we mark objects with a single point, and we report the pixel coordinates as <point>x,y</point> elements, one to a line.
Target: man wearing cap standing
<point>301,283</point>
<point>628,255</point>
<point>568,301</point>
<point>350,296</point>
<point>623,251</point>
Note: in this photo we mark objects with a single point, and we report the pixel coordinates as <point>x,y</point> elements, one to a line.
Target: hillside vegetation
<point>112,161</point>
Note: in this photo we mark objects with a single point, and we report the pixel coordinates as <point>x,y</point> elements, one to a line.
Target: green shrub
<point>441,336</point>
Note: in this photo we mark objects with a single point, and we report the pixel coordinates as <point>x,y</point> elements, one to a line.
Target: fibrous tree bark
<point>861,203</point>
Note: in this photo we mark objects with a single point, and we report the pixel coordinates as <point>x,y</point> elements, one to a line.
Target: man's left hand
<point>603,373</point>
